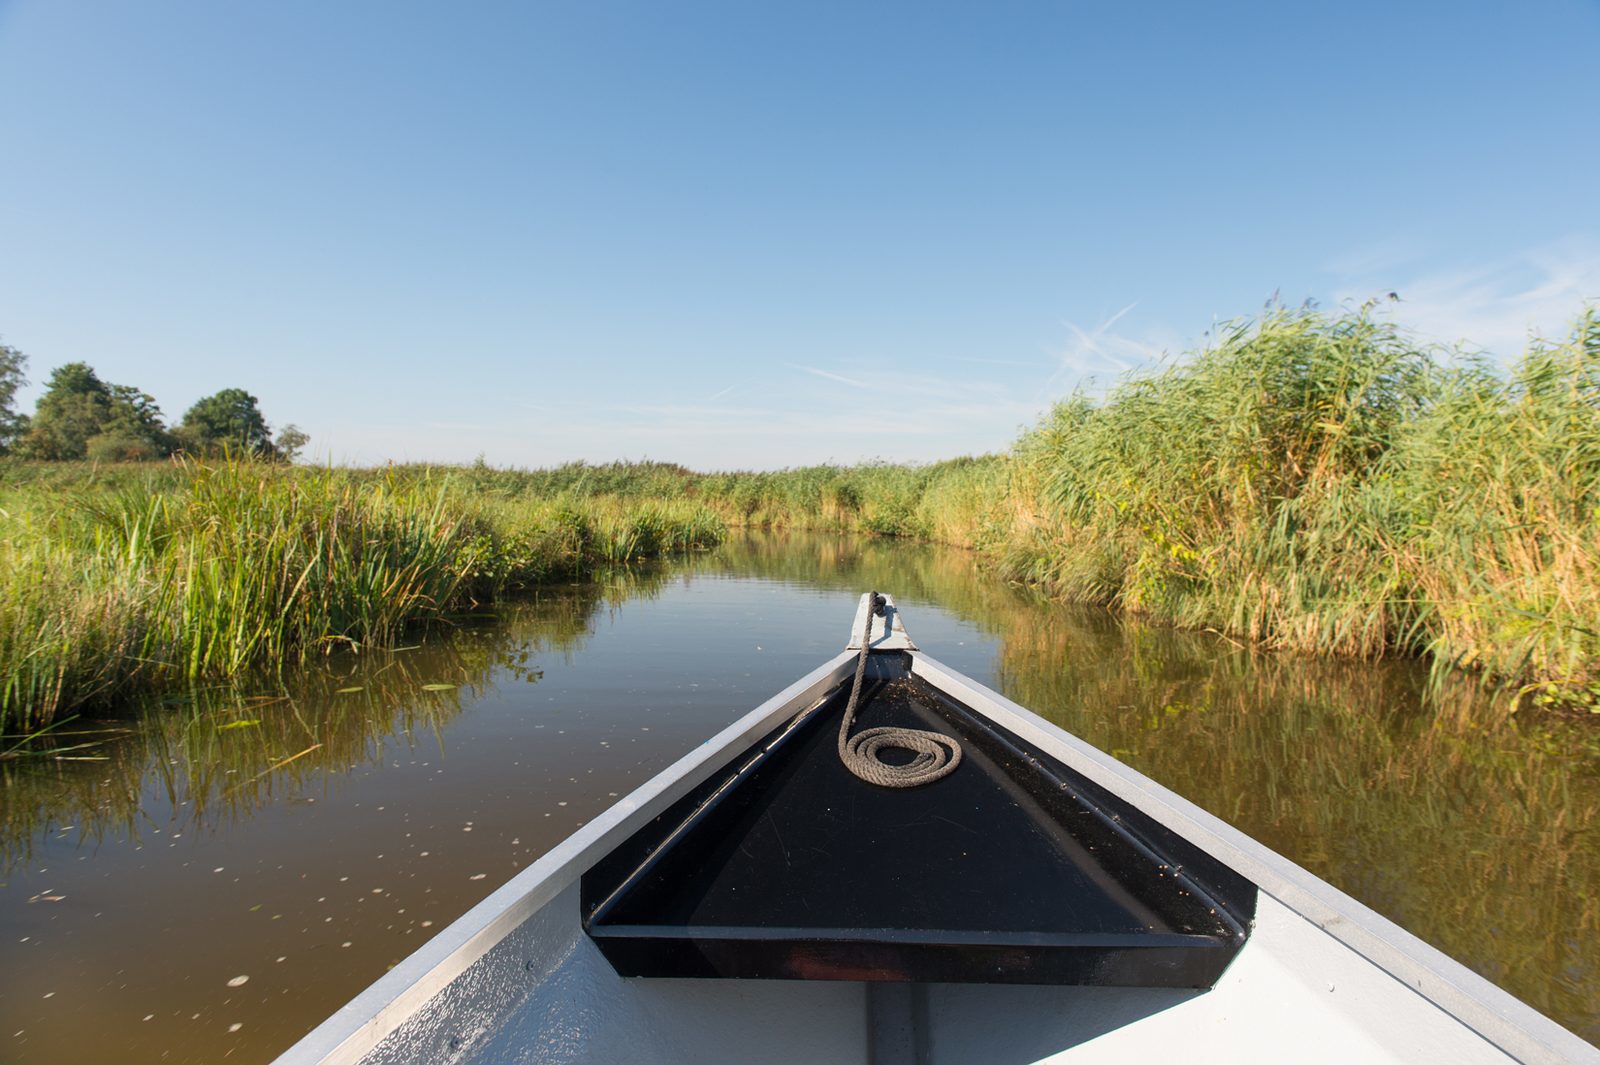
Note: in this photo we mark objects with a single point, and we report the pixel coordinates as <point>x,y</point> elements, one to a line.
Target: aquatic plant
<point>238,563</point>
<point>1322,483</point>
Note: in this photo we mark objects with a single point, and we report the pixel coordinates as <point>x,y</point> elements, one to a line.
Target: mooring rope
<point>937,755</point>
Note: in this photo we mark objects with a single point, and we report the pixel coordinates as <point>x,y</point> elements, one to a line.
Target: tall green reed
<point>1311,481</point>
<point>243,564</point>
<point>1323,483</point>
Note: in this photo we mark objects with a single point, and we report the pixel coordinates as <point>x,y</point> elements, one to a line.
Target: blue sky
<point>752,235</point>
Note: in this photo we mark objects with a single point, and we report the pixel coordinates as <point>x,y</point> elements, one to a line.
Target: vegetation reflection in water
<point>224,751</point>
<point>1483,840</point>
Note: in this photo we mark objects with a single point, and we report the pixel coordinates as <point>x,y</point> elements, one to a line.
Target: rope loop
<point>935,755</point>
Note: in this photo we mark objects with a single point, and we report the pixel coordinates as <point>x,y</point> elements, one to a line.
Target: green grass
<point>127,584</point>
<point>1321,483</point>
<point>1308,481</point>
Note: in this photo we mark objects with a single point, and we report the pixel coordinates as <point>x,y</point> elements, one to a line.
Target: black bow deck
<point>1013,869</point>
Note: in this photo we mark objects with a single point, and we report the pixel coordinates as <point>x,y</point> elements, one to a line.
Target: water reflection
<point>219,753</point>
<point>1483,843</point>
<point>306,833</point>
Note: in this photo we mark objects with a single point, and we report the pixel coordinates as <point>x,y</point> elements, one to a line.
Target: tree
<point>12,424</point>
<point>291,438</point>
<point>133,430</point>
<point>227,421</point>
<point>75,406</point>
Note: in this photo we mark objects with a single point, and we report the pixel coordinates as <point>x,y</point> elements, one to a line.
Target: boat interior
<point>1012,869</point>
<point>784,910</point>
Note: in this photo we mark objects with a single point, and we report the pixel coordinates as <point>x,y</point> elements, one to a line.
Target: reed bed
<point>1307,481</point>
<point>1322,483</point>
<point>128,586</point>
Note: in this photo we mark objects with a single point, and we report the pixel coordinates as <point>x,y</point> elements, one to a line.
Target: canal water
<point>227,866</point>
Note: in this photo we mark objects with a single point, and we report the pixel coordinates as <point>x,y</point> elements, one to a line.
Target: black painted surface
<point>1012,869</point>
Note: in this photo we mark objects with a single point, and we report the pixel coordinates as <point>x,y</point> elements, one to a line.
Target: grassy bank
<point>139,578</point>
<point>1312,482</point>
<point>1323,484</point>
<point>959,501</point>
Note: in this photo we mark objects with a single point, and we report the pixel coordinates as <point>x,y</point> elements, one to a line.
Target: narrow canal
<point>235,863</point>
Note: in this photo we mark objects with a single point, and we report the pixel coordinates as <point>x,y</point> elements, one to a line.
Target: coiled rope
<point>937,755</point>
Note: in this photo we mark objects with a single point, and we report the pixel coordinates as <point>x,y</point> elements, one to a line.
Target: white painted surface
<point>547,995</point>
<point>888,632</point>
<point>1294,994</point>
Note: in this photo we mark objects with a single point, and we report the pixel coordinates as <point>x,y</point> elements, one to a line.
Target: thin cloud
<point>684,410</point>
<point>1494,306</point>
<point>932,416</point>
<point>1115,318</point>
<point>1381,256</point>
<point>1030,364</point>
<point>1099,353</point>
<point>828,375</point>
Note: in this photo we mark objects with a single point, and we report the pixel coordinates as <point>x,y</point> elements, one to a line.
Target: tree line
<point>81,416</point>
